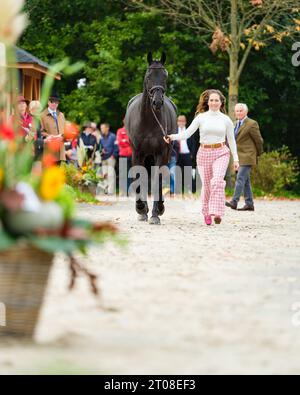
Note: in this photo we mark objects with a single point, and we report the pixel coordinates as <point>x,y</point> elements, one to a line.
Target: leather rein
<point>151,93</point>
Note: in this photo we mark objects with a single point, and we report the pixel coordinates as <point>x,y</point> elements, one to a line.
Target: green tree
<point>271,88</point>
<point>116,66</point>
<point>236,26</point>
<point>113,40</point>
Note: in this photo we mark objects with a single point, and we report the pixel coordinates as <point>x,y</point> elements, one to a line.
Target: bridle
<point>151,93</point>
<point>155,88</point>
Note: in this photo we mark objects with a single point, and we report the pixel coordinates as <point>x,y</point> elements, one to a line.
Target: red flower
<point>7,132</point>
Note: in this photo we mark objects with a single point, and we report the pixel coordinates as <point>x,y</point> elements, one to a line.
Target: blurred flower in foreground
<point>6,132</point>
<point>53,180</point>
<point>12,21</point>
<point>49,160</point>
<point>37,209</point>
<point>2,65</point>
<point>1,177</point>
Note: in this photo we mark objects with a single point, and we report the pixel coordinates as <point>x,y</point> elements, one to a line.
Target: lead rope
<point>164,131</point>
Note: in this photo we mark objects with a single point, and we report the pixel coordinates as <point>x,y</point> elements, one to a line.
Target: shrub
<point>277,171</point>
<point>73,175</point>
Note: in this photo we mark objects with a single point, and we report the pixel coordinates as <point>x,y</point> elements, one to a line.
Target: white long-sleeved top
<point>214,128</point>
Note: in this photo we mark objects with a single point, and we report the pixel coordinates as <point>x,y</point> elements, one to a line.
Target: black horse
<point>150,116</point>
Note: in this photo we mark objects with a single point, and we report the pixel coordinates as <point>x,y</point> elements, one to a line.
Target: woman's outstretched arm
<point>189,131</point>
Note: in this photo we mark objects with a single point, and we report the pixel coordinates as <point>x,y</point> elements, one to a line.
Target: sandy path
<point>182,299</point>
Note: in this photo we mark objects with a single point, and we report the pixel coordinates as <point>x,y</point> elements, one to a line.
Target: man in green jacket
<point>250,146</point>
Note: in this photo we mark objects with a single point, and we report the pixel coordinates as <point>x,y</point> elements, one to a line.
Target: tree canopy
<point>113,40</point>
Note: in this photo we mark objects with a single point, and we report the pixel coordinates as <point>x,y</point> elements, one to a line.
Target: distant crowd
<point>111,153</point>
<point>103,147</point>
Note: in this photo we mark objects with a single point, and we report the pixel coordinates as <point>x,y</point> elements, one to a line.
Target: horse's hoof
<point>161,210</point>
<point>142,210</point>
<point>143,218</point>
<point>154,221</point>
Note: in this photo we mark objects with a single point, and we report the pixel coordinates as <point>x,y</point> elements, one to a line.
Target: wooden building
<point>31,74</point>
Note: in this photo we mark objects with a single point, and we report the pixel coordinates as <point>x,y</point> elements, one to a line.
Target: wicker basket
<point>24,275</point>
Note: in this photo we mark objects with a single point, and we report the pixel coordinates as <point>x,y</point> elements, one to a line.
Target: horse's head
<point>156,81</point>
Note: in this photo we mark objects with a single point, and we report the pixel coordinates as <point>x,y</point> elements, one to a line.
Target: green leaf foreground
<point>6,241</point>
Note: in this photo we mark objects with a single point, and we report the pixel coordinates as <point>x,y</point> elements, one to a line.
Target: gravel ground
<point>182,298</point>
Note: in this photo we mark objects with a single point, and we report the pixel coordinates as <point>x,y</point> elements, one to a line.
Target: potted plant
<point>37,210</point>
<point>88,176</point>
<point>37,219</point>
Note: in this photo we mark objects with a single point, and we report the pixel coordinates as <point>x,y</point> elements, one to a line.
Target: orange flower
<point>71,131</point>
<point>49,160</point>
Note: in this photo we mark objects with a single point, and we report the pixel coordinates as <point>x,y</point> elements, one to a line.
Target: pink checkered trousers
<point>212,165</point>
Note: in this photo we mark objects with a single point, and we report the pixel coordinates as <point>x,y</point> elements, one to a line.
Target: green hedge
<point>276,173</point>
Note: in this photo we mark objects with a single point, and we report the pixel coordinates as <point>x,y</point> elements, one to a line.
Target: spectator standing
<point>125,155</point>
<point>185,157</point>
<point>95,131</point>
<point>53,124</point>
<point>35,134</point>
<point>250,147</point>
<point>24,118</point>
<point>97,134</point>
<point>109,153</point>
<point>89,140</point>
<point>71,152</point>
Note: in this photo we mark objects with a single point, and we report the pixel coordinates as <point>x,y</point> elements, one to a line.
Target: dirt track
<point>182,299</point>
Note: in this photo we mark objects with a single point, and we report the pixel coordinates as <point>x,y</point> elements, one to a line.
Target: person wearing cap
<point>53,123</point>
<point>24,118</point>
<point>89,140</point>
<point>97,134</point>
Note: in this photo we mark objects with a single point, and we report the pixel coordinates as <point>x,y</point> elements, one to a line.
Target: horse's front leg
<point>158,205</point>
<point>141,205</point>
